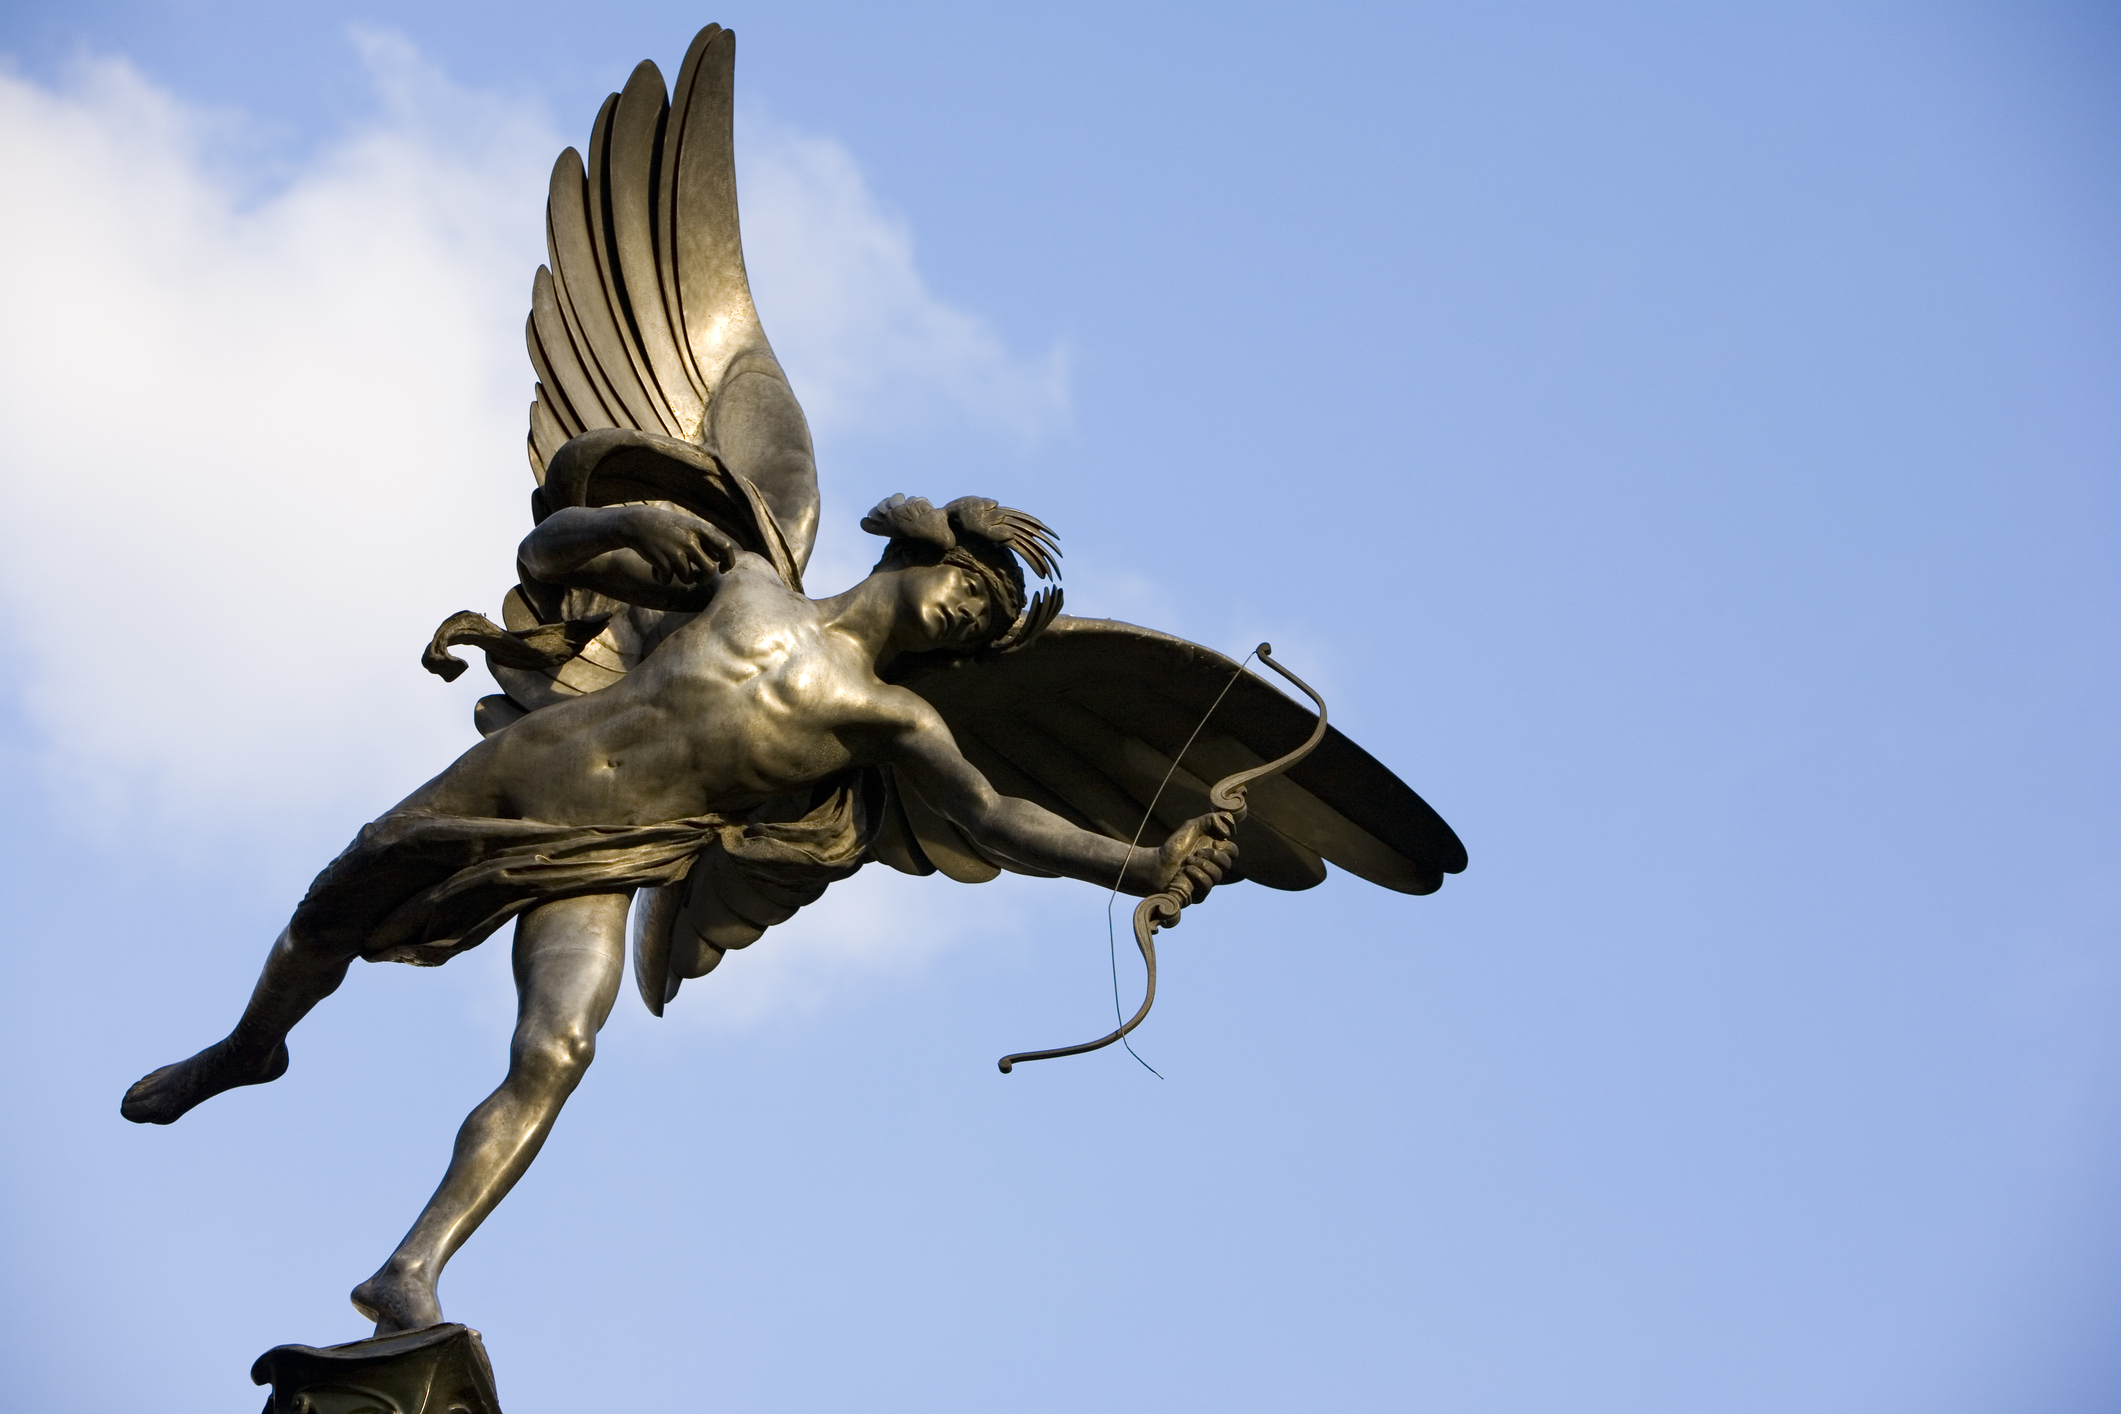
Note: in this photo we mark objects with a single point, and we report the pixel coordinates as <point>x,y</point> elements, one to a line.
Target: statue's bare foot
<point>164,1095</point>
<point>397,1302</point>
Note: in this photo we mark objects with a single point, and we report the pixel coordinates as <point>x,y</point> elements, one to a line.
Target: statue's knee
<point>561,1054</point>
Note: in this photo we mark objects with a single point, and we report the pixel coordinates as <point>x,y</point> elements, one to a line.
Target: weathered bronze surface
<point>684,737</point>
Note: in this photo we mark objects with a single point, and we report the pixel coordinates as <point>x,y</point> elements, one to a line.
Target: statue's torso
<point>750,698</point>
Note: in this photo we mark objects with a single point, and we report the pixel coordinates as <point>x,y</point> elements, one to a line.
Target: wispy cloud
<point>868,346</point>
<point>264,433</point>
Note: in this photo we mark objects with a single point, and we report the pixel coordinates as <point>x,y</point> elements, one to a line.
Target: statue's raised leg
<point>295,978</point>
<point>569,958</point>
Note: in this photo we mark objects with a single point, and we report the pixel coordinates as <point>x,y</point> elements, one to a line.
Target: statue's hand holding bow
<point>1196,857</point>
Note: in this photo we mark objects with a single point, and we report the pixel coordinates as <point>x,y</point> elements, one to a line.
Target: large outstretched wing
<point>1085,721</point>
<point>644,318</point>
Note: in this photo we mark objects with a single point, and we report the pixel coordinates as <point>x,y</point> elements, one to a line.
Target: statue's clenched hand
<point>679,547</point>
<point>1196,857</point>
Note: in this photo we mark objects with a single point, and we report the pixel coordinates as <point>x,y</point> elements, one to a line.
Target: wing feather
<point>549,397</point>
<point>634,170</point>
<point>556,341</point>
<point>714,293</point>
<point>546,434</point>
<point>579,278</point>
<point>675,123</point>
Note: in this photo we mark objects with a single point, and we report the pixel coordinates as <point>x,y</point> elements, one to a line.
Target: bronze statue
<point>684,736</point>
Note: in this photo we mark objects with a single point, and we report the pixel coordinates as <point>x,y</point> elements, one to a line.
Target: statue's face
<point>951,605</point>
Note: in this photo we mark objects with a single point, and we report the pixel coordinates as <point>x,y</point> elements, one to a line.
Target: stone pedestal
<point>439,1370</point>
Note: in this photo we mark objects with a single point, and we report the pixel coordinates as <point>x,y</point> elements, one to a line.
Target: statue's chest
<point>762,671</point>
<point>770,716</point>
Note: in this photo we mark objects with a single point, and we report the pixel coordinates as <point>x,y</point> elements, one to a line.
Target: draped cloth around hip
<point>420,887</point>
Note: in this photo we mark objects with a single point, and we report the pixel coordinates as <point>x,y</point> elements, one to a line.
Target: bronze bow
<point>1161,910</point>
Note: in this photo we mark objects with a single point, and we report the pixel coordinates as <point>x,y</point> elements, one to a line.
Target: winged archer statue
<point>684,737</point>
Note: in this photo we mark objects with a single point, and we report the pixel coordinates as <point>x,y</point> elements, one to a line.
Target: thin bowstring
<point>1111,942</point>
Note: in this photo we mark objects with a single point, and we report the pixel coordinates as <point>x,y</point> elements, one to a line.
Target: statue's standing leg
<point>569,959</point>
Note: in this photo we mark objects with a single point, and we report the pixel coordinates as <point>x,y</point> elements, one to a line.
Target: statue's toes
<point>148,1101</point>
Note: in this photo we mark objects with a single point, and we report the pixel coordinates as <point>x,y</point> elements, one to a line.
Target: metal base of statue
<point>440,1370</point>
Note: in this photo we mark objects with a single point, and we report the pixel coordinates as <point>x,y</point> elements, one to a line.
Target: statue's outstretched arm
<point>927,759</point>
<point>656,555</point>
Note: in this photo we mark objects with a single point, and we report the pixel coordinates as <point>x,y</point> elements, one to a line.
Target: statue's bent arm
<point>921,748</point>
<point>650,553</point>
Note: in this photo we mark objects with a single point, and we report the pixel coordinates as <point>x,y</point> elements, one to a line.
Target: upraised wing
<point>1085,722</point>
<point>644,318</point>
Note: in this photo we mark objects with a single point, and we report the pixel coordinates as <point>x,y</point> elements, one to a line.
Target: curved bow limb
<point>1162,910</point>
<point>1155,911</point>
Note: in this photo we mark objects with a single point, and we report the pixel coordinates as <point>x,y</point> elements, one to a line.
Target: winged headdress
<point>656,382</point>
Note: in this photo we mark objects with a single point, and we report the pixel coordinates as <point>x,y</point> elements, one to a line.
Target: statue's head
<point>976,599</point>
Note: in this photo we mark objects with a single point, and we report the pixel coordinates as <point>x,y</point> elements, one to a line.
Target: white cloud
<point>261,436</point>
<point>867,346</point>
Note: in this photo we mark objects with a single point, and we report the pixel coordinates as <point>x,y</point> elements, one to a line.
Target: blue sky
<point>1681,441</point>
